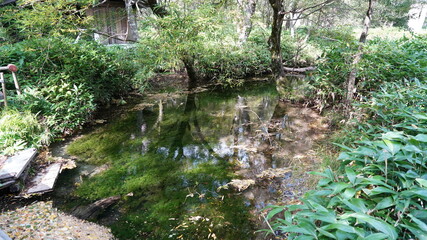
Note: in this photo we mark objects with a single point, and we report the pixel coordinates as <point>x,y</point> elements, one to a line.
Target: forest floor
<point>40,220</point>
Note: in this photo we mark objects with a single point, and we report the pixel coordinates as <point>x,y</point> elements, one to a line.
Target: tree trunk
<point>275,39</point>
<point>351,81</point>
<point>292,19</point>
<point>417,16</point>
<point>132,32</point>
<point>188,61</point>
<point>191,72</point>
<point>247,7</point>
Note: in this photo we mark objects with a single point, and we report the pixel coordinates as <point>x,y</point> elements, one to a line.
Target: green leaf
<point>328,217</point>
<point>393,136</point>
<point>338,187</point>
<point>365,151</point>
<point>421,116</point>
<point>304,237</point>
<point>421,137</point>
<point>415,230</point>
<point>274,211</point>
<point>385,203</point>
<point>392,146</point>
<point>356,204</point>
<point>317,207</point>
<point>344,147</point>
<point>348,193</point>
<point>294,229</point>
<point>418,192</point>
<point>339,226</point>
<point>345,156</point>
<point>379,190</point>
<point>326,233</point>
<point>422,182</point>
<point>351,175</point>
<point>378,224</point>
<point>375,236</point>
<point>419,223</point>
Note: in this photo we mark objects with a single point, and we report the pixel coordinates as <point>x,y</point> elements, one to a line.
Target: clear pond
<point>170,156</point>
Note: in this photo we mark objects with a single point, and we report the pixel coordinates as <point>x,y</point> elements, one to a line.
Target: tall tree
<point>132,32</point>
<point>351,81</point>
<point>279,12</point>
<point>247,9</point>
<point>275,40</point>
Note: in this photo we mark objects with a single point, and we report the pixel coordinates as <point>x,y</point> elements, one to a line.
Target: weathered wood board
<point>3,236</point>
<point>44,180</point>
<point>13,167</point>
<point>6,184</point>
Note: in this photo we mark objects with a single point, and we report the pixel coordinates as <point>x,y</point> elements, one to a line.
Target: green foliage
<point>36,19</point>
<point>382,191</point>
<point>326,38</point>
<point>392,12</point>
<point>63,82</point>
<point>212,45</point>
<point>47,61</point>
<point>19,130</point>
<point>382,61</point>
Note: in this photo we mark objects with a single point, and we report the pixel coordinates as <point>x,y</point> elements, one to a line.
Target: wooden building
<point>114,22</point>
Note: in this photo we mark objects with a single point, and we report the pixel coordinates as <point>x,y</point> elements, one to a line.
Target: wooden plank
<point>4,236</point>
<point>45,180</point>
<point>6,184</point>
<point>14,166</point>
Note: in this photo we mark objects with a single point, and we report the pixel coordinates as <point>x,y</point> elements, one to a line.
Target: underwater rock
<point>99,170</point>
<point>240,185</point>
<point>274,173</point>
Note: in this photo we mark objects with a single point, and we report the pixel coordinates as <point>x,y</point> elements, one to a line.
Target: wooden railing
<point>13,69</point>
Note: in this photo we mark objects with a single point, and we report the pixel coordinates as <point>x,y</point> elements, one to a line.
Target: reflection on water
<point>168,160</point>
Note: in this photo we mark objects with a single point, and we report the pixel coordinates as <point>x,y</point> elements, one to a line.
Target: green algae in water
<point>167,162</point>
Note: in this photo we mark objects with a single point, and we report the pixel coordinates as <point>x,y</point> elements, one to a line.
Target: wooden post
<point>15,80</point>
<point>3,85</point>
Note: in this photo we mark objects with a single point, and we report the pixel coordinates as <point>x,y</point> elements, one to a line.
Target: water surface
<point>168,157</point>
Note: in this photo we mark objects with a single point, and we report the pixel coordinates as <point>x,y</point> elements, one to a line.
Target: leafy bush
<point>35,19</point>
<point>382,192</point>
<point>47,61</point>
<point>63,82</point>
<point>20,130</point>
<point>382,61</point>
<point>212,44</point>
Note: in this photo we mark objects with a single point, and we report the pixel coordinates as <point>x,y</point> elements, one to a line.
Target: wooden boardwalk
<point>13,167</point>
<point>13,173</point>
<point>44,180</point>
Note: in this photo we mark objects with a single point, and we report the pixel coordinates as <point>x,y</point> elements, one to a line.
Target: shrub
<point>382,192</point>
<point>64,82</point>
<point>47,61</point>
<point>212,44</point>
<point>19,130</point>
<point>382,61</point>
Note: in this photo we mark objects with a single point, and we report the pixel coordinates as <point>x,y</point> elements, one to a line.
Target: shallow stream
<point>170,157</point>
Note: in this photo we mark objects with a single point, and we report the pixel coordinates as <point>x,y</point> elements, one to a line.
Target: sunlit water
<point>168,159</point>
